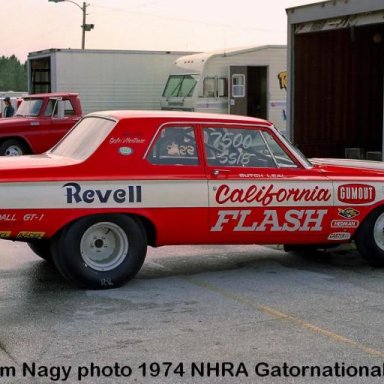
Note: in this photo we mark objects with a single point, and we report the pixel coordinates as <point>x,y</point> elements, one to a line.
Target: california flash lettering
<point>268,194</point>
<point>76,194</point>
<point>301,220</point>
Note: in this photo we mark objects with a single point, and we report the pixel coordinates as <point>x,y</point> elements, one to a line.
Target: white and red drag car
<point>120,181</point>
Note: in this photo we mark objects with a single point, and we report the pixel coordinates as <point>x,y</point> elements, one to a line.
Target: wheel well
<point>147,226</point>
<point>358,229</point>
<point>17,138</point>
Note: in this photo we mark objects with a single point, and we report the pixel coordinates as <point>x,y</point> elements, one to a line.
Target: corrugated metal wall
<point>338,99</point>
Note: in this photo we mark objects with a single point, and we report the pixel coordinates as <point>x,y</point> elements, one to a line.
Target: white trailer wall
<point>110,79</point>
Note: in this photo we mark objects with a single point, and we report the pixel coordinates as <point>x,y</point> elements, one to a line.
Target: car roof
<point>45,95</point>
<point>177,115</point>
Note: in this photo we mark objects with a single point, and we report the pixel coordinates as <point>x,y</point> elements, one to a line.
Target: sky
<point>155,25</point>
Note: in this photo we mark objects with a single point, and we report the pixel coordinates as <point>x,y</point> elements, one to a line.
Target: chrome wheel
<point>378,232</point>
<point>104,246</point>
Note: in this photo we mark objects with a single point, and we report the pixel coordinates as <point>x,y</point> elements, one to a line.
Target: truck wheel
<point>100,251</point>
<point>370,238</point>
<point>42,248</point>
<point>13,147</point>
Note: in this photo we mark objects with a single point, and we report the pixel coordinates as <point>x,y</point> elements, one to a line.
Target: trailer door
<point>238,90</point>
<point>248,91</point>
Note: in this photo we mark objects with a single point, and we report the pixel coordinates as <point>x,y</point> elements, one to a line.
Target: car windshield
<point>180,86</point>
<point>83,140</point>
<point>294,150</point>
<point>29,108</point>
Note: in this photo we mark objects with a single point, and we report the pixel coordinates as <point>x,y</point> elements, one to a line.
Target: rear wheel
<point>101,251</point>
<point>370,238</point>
<point>13,147</point>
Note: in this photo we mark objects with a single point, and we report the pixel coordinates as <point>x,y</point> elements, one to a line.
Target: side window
<point>175,146</point>
<point>233,147</point>
<point>68,108</point>
<point>209,87</point>
<point>50,107</point>
<point>215,87</point>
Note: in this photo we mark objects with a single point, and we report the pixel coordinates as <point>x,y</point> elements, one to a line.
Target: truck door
<point>59,117</point>
<point>260,193</point>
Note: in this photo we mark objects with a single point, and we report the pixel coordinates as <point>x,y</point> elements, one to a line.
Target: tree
<point>13,74</point>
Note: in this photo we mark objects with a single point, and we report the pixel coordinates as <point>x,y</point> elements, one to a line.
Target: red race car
<point>120,181</point>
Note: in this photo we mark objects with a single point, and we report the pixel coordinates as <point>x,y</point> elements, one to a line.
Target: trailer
<point>104,79</point>
<point>335,78</point>
<point>249,81</point>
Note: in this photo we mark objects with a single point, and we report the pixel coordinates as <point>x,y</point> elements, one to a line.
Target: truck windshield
<point>180,86</point>
<point>84,139</point>
<point>29,108</point>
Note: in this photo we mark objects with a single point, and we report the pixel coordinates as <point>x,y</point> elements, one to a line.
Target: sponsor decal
<point>339,236</point>
<point>261,176</point>
<point>344,223</point>
<point>76,194</point>
<point>30,235</point>
<point>348,213</point>
<point>33,216</point>
<point>283,79</point>
<point>356,193</point>
<point>126,140</point>
<point>8,217</point>
<point>125,151</point>
<point>5,234</point>
<point>269,194</point>
<point>244,220</point>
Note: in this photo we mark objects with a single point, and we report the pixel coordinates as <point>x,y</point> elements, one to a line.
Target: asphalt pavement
<point>201,314</point>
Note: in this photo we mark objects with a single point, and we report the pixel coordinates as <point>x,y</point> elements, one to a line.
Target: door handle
<point>220,172</point>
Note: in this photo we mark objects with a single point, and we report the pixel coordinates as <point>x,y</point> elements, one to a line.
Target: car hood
<point>349,163</point>
<point>15,121</point>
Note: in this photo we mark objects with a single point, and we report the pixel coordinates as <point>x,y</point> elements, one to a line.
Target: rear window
<point>84,138</point>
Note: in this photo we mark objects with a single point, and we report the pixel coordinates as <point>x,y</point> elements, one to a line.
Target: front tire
<point>101,251</point>
<point>370,238</point>
<point>13,147</point>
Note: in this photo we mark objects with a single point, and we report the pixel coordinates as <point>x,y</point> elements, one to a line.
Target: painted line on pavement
<point>285,316</point>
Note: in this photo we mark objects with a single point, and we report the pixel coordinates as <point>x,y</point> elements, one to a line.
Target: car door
<point>178,186</point>
<point>260,192</point>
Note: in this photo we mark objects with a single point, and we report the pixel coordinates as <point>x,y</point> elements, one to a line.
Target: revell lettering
<point>75,194</point>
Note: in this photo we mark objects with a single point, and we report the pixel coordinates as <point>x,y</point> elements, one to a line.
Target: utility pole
<point>85,27</point>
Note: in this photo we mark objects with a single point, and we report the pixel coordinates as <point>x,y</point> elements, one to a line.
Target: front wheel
<point>13,147</point>
<point>101,251</point>
<point>370,238</point>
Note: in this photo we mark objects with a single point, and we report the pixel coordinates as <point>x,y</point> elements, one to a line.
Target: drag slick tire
<point>370,238</point>
<point>42,248</point>
<point>100,251</point>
